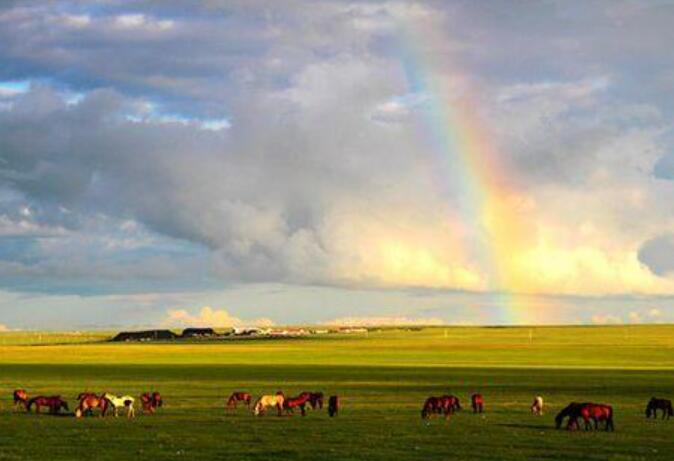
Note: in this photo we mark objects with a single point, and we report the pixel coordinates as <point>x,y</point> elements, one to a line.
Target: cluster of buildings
<point>210,333</point>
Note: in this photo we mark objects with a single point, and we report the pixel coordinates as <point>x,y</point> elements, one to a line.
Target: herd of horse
<point>592,415</point>
<point>88,402</point>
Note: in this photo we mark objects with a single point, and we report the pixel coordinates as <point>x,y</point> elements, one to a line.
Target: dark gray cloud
<point>658,254</point>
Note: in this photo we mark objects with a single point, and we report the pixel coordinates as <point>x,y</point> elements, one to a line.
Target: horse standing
<point>89,401</point>
<point>54,403</point>
<point>594,412</point>
<point>20,399</point>
<point>477,402</point>
<point>659,404</point>
<point>315,399</point>
<point>295,402</point>
<point>537,406</point>
<point>125,401</point>
<point>444,405</point>
<point>150,402</point>
<point>269,401</point>
<point>244,397</point>
<point>333,405</point>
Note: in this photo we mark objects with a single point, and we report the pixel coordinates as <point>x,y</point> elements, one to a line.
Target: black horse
<point>659,404</point>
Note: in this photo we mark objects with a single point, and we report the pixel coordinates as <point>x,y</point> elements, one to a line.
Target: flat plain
<point>382,378</point>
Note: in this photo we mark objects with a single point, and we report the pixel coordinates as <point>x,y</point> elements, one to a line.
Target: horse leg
<point>304,413</point>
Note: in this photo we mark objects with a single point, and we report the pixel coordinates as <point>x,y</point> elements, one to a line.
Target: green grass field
<point>382,378</point>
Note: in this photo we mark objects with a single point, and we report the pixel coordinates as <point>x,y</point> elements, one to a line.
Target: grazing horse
<point>333,405</point>
<point>244,397</point>
<point>444,405</point>
<point>20,399</point>
<point>315,399</point>
<point>150,402</point>
<point>659,404</point>
<point>594,412</point>
<point>55,403</point>
<point>125,401</point>
<point>537,406</point>
<point>477,402</point>
<point>89,401</point>
<point>299,401</point>
<point>268,401</point>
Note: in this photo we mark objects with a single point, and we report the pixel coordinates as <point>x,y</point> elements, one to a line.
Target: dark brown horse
<point>589,412</point>
<point>659,404</point>
<point>88,402</point>
<point>477,402</point>
<point>315,399</point>
<point>296,402</point>
<point>444,405</point>
<point>150,402</point>
<point>20,399</point>
<point>54,403</point>
<point>236,397</point>
<point>333,405</point>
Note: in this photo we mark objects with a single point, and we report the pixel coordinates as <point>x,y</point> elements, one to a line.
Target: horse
<point>55,403</point>
<point>244,397</point>
<point>659,404</point>
<point>150,402</point>
<point>268,401</point>
<point>299,401</point>
<point>333,405</point>
<point>315,399</point>
<point>537,406</point>
<point>444,405</point>
<point>477,402</point>
<point>20,399</point>
<point>594,412</point>
<point>89,401</point>
<point>125,401</point>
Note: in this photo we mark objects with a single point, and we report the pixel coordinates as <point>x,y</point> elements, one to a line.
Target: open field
<point>383,378</point>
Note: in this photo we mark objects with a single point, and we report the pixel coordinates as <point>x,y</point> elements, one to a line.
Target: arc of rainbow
<point>463,151</point>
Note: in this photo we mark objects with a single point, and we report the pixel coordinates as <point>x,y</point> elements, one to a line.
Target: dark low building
<point>147,335</point>
<point>197,332</point>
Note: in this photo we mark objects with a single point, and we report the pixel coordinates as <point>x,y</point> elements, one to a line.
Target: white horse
<point>125,401</point>
<point>537,406</point>
<point>269,401</point>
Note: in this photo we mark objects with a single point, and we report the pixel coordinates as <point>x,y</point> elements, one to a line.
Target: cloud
<point>209,317</point>
<point>385,321</point>
<point>4,328</point>
<point>606,319</point>
<point>658,254</point>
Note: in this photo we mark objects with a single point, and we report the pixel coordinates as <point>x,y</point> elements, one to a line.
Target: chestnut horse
<point>594,412</point>
<point>236,397</point>
<point>477,402</point>
<point>315,399</point>
<point>20,399</point>
<point>55,403</point>
<point>443,405</point>
<point>89,401</point>
<point>333,405</point>
<point>268,401</point>
<point>299,401</point>
<point>150,402</point>
<point>659,404</point>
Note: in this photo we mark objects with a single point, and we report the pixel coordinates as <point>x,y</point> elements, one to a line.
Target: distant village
<point>236,332</point>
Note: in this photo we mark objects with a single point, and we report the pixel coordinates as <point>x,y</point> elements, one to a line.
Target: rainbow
<point>470,167</point>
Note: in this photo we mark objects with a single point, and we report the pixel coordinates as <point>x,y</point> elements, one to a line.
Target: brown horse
<point>20,399</point>
<point>659,404</point>
<point>477,402</point>
<point>54,403</point>
<point>594,412</point>
<point>315,399</point>
<point>88,402</point>
<point>150,402</point>
<point>333,405</point>
<point>236,397</point>
<point>295,402</point>
<point>444,405</point>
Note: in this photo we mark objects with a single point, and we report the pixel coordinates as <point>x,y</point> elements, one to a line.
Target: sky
<point>283,162</point>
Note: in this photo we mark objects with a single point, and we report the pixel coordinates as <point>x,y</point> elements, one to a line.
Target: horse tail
<point>670,410</point>
<point>609,418</point>
<point>256,407</point>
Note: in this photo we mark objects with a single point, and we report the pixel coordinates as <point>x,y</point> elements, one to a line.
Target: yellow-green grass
<point>382,377</point>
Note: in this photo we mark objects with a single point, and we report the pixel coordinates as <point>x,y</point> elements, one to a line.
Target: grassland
<point>382,377</point>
